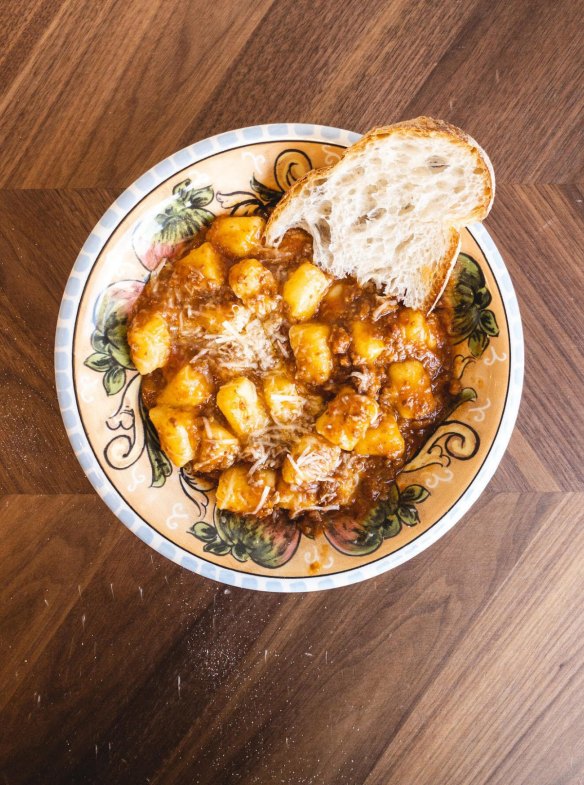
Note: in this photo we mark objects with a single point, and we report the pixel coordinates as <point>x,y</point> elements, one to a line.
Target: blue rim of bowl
<point>71,418</point>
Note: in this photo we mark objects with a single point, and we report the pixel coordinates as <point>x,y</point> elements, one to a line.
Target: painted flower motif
<point>470,298</point>
<point>269,542</point>
<point>160,465</point>
<point>165,235</point>
<point>289,166</point>
<point>361,537</point>
<point>111,354</point>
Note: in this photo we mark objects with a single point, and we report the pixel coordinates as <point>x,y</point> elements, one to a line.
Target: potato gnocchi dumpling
<point>411,390</point>
<point>187,388</point>
<point>240,491</point>
<point>296,498</point>
<point>208,261</point>
<point>177,432</point>
<point>310,344</point>
<point>219,448</point>
<point>347,418</point>
<point>236,236</point>
<point>283,398</point>
<point>297,394</point>
<point>303,291</point>
<point>415,328</point>
<point>241,406</point>
<point>383,439</point>
<point>312,459</point>
<point>368,343</point>
<point>149,342</point>
<point>255,285</point>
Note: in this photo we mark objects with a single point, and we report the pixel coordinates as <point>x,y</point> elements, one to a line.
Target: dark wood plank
<point>539,230</point>
<point>40,236</point>
<point>337,674</point>
<point>192,69</point>
<point>105,90</point>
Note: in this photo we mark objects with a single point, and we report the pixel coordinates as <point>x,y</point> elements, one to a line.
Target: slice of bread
<point>392,208</point>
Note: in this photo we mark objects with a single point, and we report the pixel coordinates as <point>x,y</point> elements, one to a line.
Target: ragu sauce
<point>298,394</point>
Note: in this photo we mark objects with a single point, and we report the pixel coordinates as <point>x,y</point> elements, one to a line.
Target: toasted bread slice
<point>392,208</point>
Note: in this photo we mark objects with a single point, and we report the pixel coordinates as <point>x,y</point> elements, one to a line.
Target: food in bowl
<point>299,366</point>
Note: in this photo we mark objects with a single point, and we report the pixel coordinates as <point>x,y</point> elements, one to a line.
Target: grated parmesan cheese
<point>245,349</point>
<point>263,500</point>
<point>268,446</point>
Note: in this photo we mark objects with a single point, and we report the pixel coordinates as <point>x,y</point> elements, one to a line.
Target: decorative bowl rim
<point>64,377</point>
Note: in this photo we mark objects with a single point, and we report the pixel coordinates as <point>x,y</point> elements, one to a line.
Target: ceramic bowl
<point>246,172</point>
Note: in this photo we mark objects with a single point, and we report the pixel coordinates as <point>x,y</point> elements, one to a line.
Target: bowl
<point>246,172</point>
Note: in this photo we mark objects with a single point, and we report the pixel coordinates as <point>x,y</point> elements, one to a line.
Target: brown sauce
<point>405,370</point>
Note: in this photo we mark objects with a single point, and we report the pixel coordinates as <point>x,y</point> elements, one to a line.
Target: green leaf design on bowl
<point>159,463</point>
<point>469,298</point>
<point>289,166</point>
<point>361,537</point>
<point>164,235</point>
<point>269,542</point>
<point>109,338</point>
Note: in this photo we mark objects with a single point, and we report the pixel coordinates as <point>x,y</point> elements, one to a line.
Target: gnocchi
<point>314,359</point>
<point>187,388</point>
<point>149,343</point>
<point>411,390</point>
<point>254,284</point>
<point>415,328</point>
<point>368,345</point>
<point>312,459</point>
<point>237,491</point>
<point>347,418</point>
<point>282,397</point>
<point>177,432</point>
<point>219,448</point>
<point>241,406</point>
<point>236,236</point>
<point>208,261</point>
<point>304,290</point>
<point>383,439</point>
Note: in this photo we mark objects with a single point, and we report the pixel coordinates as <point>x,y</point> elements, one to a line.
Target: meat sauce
<point>298,394</point>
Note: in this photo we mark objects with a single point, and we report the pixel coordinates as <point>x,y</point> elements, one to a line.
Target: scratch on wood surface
<point>141,590</point>
<point>112,591</point>
<point>178,684</point>
<point>83,618</point>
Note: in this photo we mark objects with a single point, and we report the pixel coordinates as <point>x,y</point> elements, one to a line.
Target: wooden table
<point>465,665</point>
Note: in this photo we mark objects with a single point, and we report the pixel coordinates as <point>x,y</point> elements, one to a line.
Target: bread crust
<point>422,127</point>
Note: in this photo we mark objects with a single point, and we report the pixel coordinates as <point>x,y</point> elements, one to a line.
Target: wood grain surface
<point>465,666</point>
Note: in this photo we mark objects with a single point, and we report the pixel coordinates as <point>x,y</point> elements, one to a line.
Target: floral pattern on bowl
<point>247,172</point>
